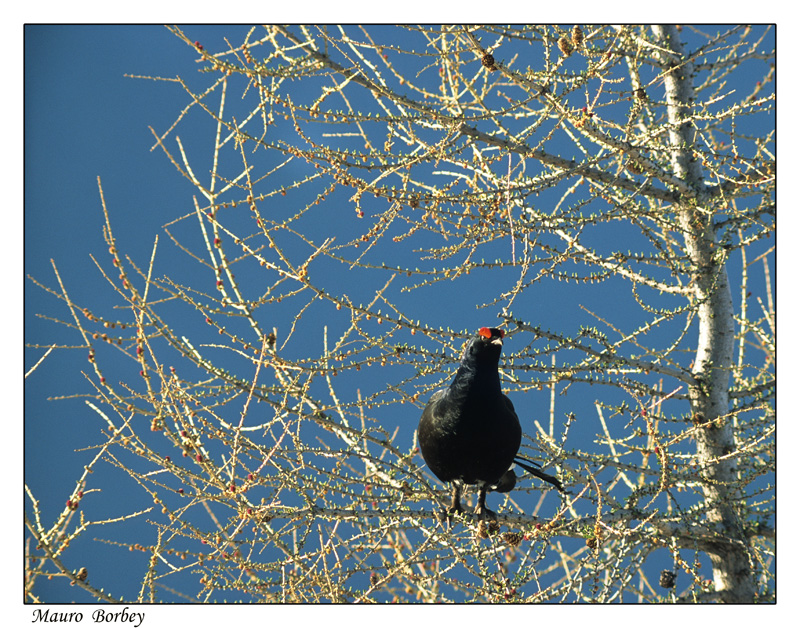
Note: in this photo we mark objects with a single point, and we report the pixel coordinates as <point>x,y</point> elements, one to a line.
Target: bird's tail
<point>528,465</point>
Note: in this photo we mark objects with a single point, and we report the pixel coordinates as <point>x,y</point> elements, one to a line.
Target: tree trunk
<point>715,343</point>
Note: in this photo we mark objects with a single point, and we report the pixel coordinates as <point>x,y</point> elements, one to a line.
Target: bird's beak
<point>497,341</point>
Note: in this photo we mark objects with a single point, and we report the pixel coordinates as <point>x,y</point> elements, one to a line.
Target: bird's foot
<point>455,501</point>
<point>483,512</point>
<point>454,508</point>
<point>446,514</point>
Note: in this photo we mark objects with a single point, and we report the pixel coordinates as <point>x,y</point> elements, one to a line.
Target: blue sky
<point>84,118</point>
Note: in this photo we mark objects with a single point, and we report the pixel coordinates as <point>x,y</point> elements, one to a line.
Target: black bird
<point>469,432</point>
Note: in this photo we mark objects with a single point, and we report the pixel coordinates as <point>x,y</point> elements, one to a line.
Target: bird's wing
<point>509,406</point>
<point>435,397</point>
<point>429,415</point>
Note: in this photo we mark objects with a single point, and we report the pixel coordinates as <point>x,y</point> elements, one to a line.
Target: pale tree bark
<point>715,343</point>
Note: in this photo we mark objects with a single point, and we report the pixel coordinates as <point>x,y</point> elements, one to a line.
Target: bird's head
<point>485,346</point>
<point>492,335</point>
